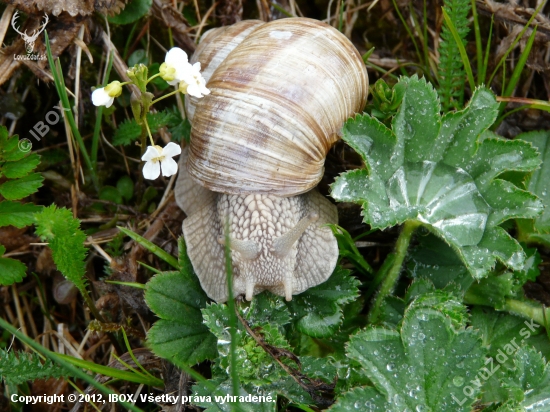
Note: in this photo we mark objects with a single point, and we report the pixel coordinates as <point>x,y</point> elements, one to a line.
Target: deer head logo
<point>29,39</point>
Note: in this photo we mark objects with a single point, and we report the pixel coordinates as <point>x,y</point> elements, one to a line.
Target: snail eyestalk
<point>282,245</point>
<point>248,249</point>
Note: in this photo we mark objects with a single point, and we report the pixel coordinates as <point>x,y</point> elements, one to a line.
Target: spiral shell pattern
<point>280,92</point>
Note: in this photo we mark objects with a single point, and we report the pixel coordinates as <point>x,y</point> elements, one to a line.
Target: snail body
<point>280,92</point>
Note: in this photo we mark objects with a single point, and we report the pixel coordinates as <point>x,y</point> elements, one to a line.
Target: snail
<point>280,92</point>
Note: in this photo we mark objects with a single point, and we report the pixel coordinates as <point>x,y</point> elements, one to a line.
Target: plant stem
<point>388,284</point>
<point>231,314</point>
<point>148,130</point>
<point>165,96</point>
<point>152,77</point>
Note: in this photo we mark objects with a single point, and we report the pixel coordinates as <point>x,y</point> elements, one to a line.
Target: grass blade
<point>151,247</point>
<point>461,49</point>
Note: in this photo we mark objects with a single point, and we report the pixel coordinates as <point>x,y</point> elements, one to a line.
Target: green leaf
<point>254,364</point>
<point>62,232</point>
<point>19,367</point>
<point>531,376</point>
<point>539,183</point>
<point>125,186</point>
<point>110,194</point>
<point>11,271</point>
<point>423,366</point>
<point>20,188</point>
<point>318,311</point>
<point>9,147</point>
<point>17,214</point>
<point>503,334</point>
<point>21,167</point>
<point>129,131</point>
<point>441,172</point>
<point>133,11</point>
<point>177,299</point>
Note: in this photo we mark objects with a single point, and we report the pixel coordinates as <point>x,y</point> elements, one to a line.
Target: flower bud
<point>113,89</point>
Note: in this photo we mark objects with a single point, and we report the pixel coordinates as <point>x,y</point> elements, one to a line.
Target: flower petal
<point>171,150</point>
<point>169,167</point>
<point>150,154</point>
<point>194,90</point>
<point>110,102</point>
<point>176,57</point>
<point>100,97</point>
<point>151,170</point>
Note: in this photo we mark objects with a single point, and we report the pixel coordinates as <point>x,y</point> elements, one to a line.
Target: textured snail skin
<point>284,268</point>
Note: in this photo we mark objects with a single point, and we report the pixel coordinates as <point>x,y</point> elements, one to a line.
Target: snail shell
<point>280,92</point>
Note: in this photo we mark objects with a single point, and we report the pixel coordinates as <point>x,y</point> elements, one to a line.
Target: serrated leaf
<point>20,168</point>
<point>11,270</point>
<point>17,214</point>
<point>129,131</point>
<point>133,11</point>
<point>532,376</point>
<point>267,308</point>
<point>20,367</point>
<point>503,334</point>
<point>9,147</point>
<point>20,188</point>
<point>441,172</point>
<point>254,364</point>
<point>539,183</point>
<point>177,299</point>
<point>317,311</point>
<point>415,368</point>
<point>62,232</point>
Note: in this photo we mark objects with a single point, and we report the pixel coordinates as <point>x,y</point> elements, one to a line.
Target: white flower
<point>105,96</point>
<point>175,66</point>
<point>156,158</point>
<point>195,84</point>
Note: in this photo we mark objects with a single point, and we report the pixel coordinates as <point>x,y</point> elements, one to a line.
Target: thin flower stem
<point>152,77</point>
<point>148,130</point>
<point>165,96</point>
<point>388,284</point>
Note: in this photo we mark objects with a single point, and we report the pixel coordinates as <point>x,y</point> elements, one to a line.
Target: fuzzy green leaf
<point>11,270</point>
<point>423,366</point>
<point>17,214</point>
<point>129,131</point>
<point>318,311</point>
<point>20,188</point>
<point>20,367</point>
<point>177,299</point>
<point>66,240</point>
<point>441,172</point>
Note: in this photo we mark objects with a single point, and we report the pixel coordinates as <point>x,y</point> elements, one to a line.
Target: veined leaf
<point>20,188</point>
<point>17,214</point>
<point>423,366</point>
<point>177,299</point>
<point>318,311</point>
<point>11,270</point>
<point>539,183</point>
<point>442,172</point>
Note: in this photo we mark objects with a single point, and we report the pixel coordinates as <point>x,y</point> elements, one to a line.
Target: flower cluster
<point>176,71</point>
